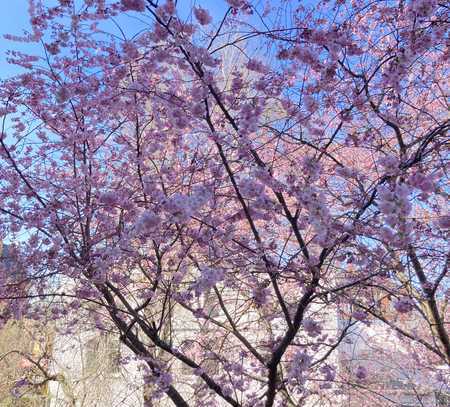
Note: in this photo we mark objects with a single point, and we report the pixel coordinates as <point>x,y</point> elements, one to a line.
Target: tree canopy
<point>235,189</point>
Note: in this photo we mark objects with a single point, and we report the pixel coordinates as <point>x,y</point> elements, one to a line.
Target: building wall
<point>91,373</point>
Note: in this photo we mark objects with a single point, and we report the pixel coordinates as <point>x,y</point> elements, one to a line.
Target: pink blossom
<point>24,381</point>
<point>329,372</point>
<point>404,305</point>
<point>390,164</point>
<point>62,95</point>
<point>236,3</point>
<point>260,295</point>
<point>250,188</point>
<point>359,315</point>
<point>202,16</point>
<point>148,222</point>
<point>108,198</point>
<point>164,380</point>
<point>311,168</point>
<point>169,7</point>
<point>25,363</point>
<point>423,7</point>
<point>312,327</point>
<point>209,277</point>
<point>136,5</point>
<point>444,222</point>
<point>299,365</point>
<point>52,48</point>
<point>421,181</point>
<point>361,373</point>
<point>159,33</point>
<point>177,168</point>
<point>394,202</point>
<point>256,66</point>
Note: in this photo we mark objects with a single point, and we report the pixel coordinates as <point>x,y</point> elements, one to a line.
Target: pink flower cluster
<point>390,164</point>
<point>202,16</point>
<point>147,223</point>
<point>359,315</point>
<point>237,3</point>
<point>256,66</point>
<point>182,207</point>
<point>299,365</point>
<point>260,295</point>
<point>318,213</point>
<point>250,188</point>
<point>421,181</point>
<point>312,328</point>
<point>423,8</point>
<point>135,5</point>
<point>108,198</point>
<point>209,277</point>
<point>444,222</point>
<point>329,373</point>
<point>361,373</point>
<point>394,203</point>
<point>404,305</point>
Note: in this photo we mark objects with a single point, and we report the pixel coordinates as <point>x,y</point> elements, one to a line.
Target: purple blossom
<point>299,365</point>
<point>108,198</point>
<point>312,328</point>
<point>135,5</point>
<point>209,277</point>
<point>202,16</point>
<point>147,223</point>
<point>359,315</point>
<point>361,373</point>
<point>444,222</point>
<point>390,164</point>
<point>404,305</point>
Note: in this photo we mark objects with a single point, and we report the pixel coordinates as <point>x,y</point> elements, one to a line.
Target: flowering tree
<point>220,189</point>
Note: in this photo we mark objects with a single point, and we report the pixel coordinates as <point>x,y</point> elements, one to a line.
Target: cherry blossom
<point>202,16</point>
<point>240,191</point>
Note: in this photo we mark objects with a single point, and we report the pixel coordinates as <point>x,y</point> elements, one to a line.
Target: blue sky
<point>13,20</point>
